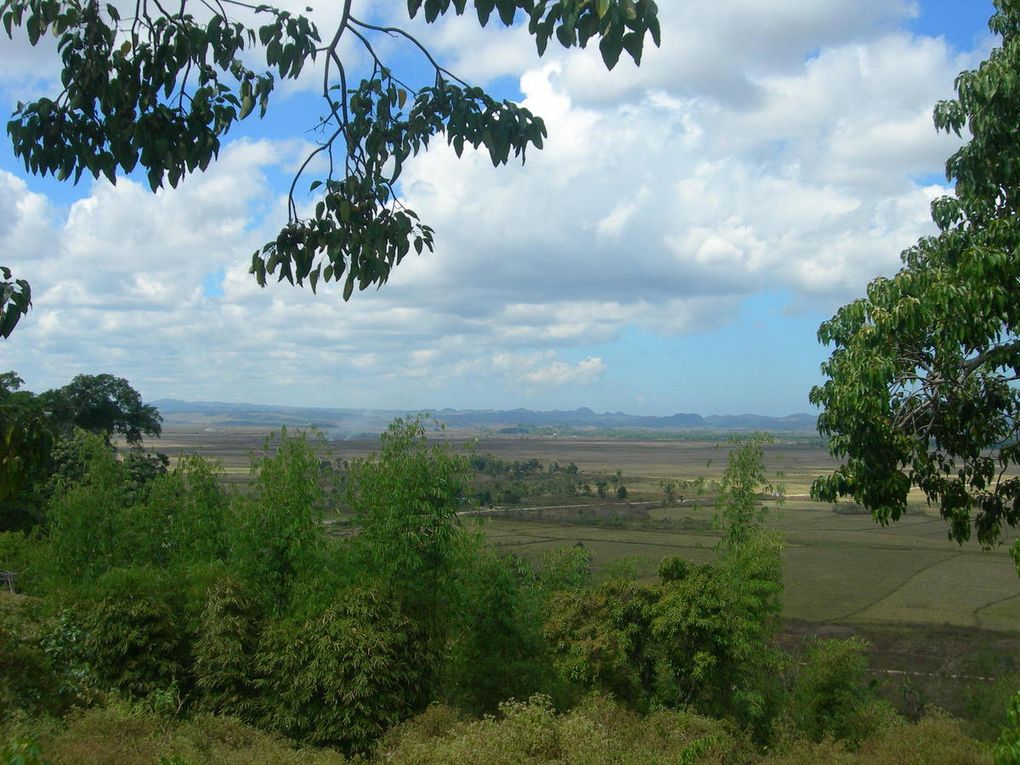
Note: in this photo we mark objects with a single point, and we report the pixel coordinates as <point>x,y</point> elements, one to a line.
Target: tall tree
<point>38,438</point>
<point>160,87</point>
<point>922,381</point>
<point>103,403</point>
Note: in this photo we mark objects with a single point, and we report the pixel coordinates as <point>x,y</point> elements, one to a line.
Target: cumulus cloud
<point>765,148</point>
<point>544,369</point>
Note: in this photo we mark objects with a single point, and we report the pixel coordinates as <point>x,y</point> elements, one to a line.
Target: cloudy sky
<point>674,247</point>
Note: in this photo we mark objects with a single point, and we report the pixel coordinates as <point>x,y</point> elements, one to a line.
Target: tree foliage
<point>277,532</point>
<point>922,381</point>
<point>344,677</point>
<point>15,300</point>
<point>831,695</point>
<point>135,639</point>
<point>188,599</point>
<point>496,649</point>
<point>103,404</point>
<point>159,87</point>
<point>600,638</point>
<point>406,500</point>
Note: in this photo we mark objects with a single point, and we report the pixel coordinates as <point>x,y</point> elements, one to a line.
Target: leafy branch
<point>158,89</point>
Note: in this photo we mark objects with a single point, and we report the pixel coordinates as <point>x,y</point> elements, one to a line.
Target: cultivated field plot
<point>840,567</point>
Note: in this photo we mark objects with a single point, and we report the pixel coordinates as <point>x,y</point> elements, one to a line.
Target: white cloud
<point>766,147</point>
<point>544,369</point>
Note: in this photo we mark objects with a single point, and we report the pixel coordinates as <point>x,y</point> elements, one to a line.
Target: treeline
<point>170,620</point>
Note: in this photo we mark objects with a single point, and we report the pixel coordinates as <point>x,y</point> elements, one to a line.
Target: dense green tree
<point>277,531</point>
<point>159,88</point>
<point>715,627</point>
<point>27,436</point>
<point>496,650</point>
<point>922,381</point>
<point>716,622</point>
<point>564,568</point>
<point>601,639</point>
<point>39,437</point>
<point>103,404</point>
<point>832,697</point>
<point>86,518</point>
<point>225,650</point>
<point>135,636</point>
<point>1007,749</point>
<point>344,676</point>
<point>406,499</point>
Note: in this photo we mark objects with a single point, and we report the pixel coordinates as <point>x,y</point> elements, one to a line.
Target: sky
<point>673,248</point>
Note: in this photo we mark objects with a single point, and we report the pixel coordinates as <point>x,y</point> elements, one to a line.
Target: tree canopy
<point>39,437</point>
<point>922,381</point>
<point>103,404</point>
<point>158,88</point>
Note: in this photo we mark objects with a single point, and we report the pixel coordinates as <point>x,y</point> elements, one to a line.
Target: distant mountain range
<point>357,421</point>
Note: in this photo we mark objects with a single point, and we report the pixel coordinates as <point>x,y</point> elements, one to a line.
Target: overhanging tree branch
<point>160,89</point>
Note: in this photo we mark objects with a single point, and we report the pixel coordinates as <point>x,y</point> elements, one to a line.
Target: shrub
<point>126,734</point>
<point>831,698</point>
<point>225,650</point>
<point>278,528</point>
<point>673,569</point>
<point>87,532</point>
<point>24,562</point>
<point>597,732</point>
<point>183,518</point>
<point>601,639</point>
<point>26,682</point>
<point>565,568</point>
<point>715,626</point>
<point>344,677</point>
<point>496,650</point>
<point>1007,750</point>
<point>136,631</point>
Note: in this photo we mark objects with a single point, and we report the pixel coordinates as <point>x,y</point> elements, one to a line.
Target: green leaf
<point>610,48</point>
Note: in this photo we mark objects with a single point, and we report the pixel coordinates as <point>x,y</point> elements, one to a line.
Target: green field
<point>837,567</point>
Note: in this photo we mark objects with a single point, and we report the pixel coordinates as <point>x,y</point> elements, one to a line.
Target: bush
<point>598,731</point>
<point>24,562</point>
<point>715,626</point>
<point>278,528</point>
<point>565,568</point>
<point>831,697</point>
<point>183,518</point>
<point>344,677</point>
<point>935,740</point>
<point>125,734</point>
<point>987,704</point>
<point>601,639</point>
<point>225,650</point>
<point>136,636</point>
<point>1007,750</point>
<point>87,530</point>
<point>26,682</point>
<point>496,650</point>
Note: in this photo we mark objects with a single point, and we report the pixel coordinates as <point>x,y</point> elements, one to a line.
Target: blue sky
<point>673,249</point>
